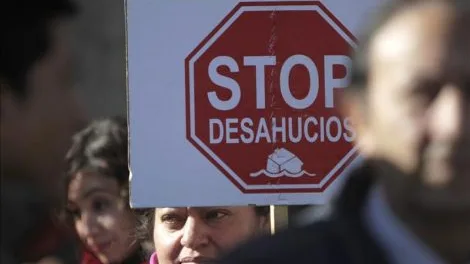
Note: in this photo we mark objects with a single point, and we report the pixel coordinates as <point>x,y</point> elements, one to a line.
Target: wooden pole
<point>279,217</point>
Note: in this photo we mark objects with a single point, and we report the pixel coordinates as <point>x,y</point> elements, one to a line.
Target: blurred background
<point>101,53</point>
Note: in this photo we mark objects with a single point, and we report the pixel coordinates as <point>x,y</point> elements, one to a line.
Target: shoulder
<point>316,242</point>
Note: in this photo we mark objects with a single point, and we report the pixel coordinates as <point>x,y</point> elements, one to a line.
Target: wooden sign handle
<point>279,217</point>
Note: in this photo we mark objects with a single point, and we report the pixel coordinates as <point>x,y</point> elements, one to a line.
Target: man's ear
<point>354,106</point>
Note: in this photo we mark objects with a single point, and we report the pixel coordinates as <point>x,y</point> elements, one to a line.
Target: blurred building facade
<point>100,43</point>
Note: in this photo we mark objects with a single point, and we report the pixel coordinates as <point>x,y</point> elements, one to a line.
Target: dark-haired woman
<point>97,194</point>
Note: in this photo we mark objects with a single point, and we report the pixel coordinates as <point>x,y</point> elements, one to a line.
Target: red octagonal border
<point>196,142</point>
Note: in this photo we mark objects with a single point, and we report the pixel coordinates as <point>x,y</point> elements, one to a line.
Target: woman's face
<point>103,221</point>
<point>201,234</point>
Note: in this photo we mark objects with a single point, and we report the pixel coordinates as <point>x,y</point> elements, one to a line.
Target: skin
<point>416,125</point>
<point>103,221</point>
<point>202,234</point>
<point>36,130</point>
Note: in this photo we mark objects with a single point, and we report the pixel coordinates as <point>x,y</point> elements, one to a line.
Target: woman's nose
<point>195,234</point>
<point>88,225</point>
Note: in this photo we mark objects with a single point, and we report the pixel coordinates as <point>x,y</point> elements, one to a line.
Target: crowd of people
<point>409,203</point>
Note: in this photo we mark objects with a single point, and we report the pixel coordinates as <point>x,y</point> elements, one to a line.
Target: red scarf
<point>89,258</point>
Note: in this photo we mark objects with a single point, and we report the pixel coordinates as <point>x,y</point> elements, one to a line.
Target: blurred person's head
<point>202,234</point>
<point>38,109</point>
<point>97,190</point>
<point>410,103</point>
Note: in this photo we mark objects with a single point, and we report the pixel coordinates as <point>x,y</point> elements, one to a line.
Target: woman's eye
<point>215,215</point>
<point>100,205</point>
<point>173,221</point>
<point>170,218</point>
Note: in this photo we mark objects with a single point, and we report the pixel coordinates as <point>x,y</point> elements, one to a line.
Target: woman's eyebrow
<point>93,190</point>
<point>171,210</point>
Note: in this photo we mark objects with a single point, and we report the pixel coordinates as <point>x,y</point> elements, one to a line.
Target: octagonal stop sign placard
<point>262,95</point>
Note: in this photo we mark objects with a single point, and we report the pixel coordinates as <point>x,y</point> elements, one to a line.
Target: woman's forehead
<point>203,209</point>
<point>85,185</point>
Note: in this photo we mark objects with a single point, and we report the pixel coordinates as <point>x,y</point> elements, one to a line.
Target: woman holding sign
<point>201,234</point>
<point>97,194</point>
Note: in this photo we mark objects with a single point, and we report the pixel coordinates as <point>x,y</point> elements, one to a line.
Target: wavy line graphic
<point>282,173</point>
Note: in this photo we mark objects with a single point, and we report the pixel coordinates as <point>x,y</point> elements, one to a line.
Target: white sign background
<point>160,35</point>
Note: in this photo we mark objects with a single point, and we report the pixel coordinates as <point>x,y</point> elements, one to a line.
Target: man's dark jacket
<point>341,238</point>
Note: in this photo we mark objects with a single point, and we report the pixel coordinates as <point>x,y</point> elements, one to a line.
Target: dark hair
<point>146,220</point>
<point>101,147</point>
<point>360,56</point>
<point>25,28</point>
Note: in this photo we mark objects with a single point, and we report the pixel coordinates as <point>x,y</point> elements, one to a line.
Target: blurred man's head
<point>410,102</point>
<point>38,109</point>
